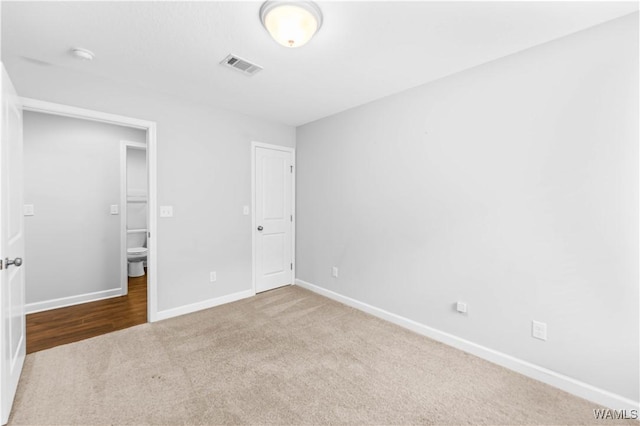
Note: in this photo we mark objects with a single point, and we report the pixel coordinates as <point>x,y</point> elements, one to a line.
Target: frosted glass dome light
<point>291,23</point>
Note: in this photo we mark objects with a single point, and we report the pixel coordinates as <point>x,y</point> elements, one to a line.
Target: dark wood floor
<point>66,325</point>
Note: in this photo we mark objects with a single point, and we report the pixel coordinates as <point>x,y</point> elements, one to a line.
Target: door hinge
<point>0,264</point>
<point>292,266</point>
<point>148,234</point>
<point>291,218</point>
<point>291,169</point>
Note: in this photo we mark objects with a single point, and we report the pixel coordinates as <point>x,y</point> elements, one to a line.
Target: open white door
<point>273,217</point>
<point>12,328</point>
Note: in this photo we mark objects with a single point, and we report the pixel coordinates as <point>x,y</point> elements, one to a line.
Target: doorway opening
<point>133,222</point>
<point>135,297</point>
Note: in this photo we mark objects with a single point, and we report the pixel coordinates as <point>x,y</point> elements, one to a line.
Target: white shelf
<point>136,199</point>
<point>135,231</point>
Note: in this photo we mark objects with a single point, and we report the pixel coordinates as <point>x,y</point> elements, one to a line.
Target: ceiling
<point>364,50</point>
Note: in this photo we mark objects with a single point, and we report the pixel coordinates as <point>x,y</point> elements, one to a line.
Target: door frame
<point>35,105</point>
<point>292,151</point>
<point>124,146</point>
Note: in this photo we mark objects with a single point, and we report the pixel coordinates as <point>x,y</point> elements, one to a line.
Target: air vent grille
<point>241,65</point>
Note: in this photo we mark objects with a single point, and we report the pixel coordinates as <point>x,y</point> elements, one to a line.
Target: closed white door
<point>273,232</point>
<point>12,329</point>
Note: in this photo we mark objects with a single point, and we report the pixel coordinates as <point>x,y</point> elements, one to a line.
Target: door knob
<point>17,261</point>
<point>260,228</point>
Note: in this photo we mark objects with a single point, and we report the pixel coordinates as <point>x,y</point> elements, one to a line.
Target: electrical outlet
<point>461,307</point>
<point>28,210</point>
<point>166,211</point>
<point>245,210</point>
<point>539,330</point>
<point>213,276</point>
<point>334,272</point>
<point>114,209</point>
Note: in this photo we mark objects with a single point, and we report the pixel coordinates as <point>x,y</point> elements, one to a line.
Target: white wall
<point>136,187</point>
<point>72,176</point>
<point>512,186</point>
<point>136,171</point>
<point>204,171</point>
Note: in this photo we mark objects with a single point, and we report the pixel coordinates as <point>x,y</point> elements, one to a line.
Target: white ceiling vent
<point>241,65</point>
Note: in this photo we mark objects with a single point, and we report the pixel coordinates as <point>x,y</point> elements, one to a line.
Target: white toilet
<point>136,253</point>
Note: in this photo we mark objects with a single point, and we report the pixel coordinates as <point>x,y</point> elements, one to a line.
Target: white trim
<point>152,224</point>
<point>253,216</point>
<point>293,213</point>
<point>560,381</point>
<point>45,107</point>
<point>31,308</point>
<point>124,145</point>
<point>292,151</point>
<point>124,279</point>
<point>150,127</point>
<point>205,304</point>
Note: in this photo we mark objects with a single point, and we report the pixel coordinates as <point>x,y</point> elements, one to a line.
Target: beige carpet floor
<point>287,356</point>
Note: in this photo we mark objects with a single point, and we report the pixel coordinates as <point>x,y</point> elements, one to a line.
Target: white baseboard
<point>205,304</point>
<point>32,308</point>
<point>560,381</point>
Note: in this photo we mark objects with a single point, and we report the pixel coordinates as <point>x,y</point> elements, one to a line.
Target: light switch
<point>245,210</point>
<point>539,330</point>
<point>114,209</point>
<point>28,210</point>
<point>166,211</point>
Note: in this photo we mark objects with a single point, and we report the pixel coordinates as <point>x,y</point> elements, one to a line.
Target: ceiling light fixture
<point>84,54</point>
<point>291,23</point>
